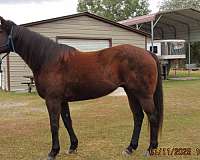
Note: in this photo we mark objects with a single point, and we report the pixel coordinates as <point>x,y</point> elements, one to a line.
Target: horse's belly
<point>88,91</point>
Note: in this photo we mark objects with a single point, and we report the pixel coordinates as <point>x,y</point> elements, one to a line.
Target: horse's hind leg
<point>66,117</point>
<point>148,106</point>
<point>138,116</point>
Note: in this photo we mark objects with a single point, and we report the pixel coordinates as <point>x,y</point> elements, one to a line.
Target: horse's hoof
<point>51,158</point>
<point>72,151</point>
<point>126,153</point>
<point>147,154</point>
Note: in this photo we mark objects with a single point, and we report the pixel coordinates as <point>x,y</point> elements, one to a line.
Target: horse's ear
<point>6,25</point>
<point>2,20</point>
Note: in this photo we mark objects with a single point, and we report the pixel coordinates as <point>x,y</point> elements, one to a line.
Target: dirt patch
<point>8,105</point>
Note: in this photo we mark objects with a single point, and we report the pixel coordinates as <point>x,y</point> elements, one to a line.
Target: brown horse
<point>63,74</point>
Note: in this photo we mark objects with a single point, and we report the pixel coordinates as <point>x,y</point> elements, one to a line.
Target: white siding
<point>4,77</point>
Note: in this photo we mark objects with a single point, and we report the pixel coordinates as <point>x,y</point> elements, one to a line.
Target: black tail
<point>158,95</point>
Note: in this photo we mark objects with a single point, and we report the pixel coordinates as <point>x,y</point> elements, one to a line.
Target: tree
<point>116,10</point>
<point>178,4</point>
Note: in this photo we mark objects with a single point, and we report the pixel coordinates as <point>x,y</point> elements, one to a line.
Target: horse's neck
<point>30,48</point>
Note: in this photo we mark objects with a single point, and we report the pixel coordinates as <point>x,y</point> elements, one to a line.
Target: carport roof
<point>176,20</point>
<point>187,16</point>
<point>89,15</point>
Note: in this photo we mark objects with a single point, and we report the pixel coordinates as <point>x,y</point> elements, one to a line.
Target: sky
<point>24,11</point>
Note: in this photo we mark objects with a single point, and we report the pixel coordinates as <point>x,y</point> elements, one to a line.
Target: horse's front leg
<point>54,109</point>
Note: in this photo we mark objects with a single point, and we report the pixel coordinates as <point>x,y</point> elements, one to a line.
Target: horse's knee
<point>54,128</point>
<point>138,119</point>
<point>139,116</point>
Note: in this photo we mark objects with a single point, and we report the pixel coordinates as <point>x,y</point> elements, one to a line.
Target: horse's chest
<point>49,85</point>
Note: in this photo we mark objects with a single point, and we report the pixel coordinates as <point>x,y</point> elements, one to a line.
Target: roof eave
<point>89,15</point>
<point>138,20</point>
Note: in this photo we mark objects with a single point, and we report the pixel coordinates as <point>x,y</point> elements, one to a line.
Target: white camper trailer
<point>169,52</point>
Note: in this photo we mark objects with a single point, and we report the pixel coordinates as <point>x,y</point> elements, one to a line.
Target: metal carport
<point>175,24</point>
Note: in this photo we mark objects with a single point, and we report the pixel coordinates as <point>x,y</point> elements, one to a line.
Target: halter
<point>10,45</point>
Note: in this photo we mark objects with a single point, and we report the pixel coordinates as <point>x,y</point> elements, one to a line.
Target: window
<point>155,49</point>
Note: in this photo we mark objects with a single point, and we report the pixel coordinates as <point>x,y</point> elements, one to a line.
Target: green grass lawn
<point>103,126</point>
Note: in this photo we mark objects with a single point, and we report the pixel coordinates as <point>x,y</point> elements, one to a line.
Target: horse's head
<point>6,37</point>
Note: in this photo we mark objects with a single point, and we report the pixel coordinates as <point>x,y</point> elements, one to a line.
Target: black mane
<point>36,49</point>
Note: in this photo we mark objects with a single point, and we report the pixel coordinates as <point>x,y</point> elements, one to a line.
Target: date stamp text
<point>175,151</point>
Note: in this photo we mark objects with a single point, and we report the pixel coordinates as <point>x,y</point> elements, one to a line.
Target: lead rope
<point>1,61</point>
<point>10,39</point>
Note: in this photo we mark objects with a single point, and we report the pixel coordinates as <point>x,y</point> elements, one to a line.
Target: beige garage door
<point>86,44</point>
